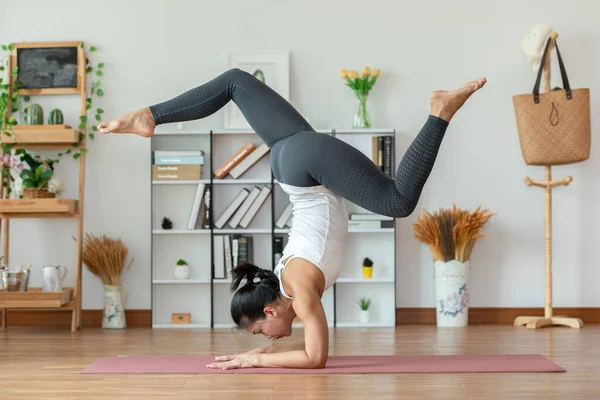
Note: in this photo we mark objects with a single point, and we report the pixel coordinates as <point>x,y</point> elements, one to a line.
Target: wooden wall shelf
<point>42,134</point>
<point>35,298</point>
<point>10,207</point>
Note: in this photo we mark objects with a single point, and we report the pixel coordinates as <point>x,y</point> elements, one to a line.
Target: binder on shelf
<point>200,191</point>
<point>219,257</point>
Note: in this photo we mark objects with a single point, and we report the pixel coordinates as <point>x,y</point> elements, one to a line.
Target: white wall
<point>419,45</point>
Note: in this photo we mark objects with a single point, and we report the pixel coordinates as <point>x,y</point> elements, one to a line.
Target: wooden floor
<point>45,364</point>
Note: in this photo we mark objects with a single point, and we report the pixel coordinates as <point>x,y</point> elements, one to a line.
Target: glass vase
<point>362,118</point>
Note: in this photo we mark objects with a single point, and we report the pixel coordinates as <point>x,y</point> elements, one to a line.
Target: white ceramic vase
<point>452,293</point>
<point>181,272</point>
<point>113,316</point>
<point>365,316</point>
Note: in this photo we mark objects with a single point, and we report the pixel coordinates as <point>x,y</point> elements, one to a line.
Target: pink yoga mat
<point>335,365</point>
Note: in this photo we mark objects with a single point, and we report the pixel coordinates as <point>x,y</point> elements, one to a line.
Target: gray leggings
<point>302,157</point>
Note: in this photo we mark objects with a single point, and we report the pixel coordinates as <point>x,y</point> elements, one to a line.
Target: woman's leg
<point>268,113</point>
<point>351,174</point>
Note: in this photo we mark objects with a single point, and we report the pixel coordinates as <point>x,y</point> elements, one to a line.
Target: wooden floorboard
<point>45,363</point>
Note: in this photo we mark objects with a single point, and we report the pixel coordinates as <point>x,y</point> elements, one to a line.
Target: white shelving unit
<point>207,299</point>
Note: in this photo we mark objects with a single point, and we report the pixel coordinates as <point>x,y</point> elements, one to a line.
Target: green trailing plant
<point>364,303</point>
<point>11,104</point>
<point>181,262</point>
<point>87,125</point>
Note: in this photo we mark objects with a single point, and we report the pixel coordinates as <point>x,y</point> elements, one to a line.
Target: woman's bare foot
<point>445,103</point>
<point>139,122</point>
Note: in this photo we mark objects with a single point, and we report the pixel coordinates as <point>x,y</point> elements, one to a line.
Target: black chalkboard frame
<point>81,63</point>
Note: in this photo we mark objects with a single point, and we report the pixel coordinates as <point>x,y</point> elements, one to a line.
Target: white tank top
<point>318,233</point>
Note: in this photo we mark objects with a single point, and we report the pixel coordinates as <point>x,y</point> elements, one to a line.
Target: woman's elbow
<point>317,363</point>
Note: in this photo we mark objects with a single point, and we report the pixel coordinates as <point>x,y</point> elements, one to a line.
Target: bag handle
<point>563,73</point>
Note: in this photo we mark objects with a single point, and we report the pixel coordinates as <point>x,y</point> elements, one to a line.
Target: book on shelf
<point>234,160</point>
<point>172,172</point>
<point>370,224</point>
<point>249,161</point>
<point>229,251</point>
<point>370,217</point>
<point>256,204</point>
<point>244,207</point>
<point>382,154</point>
<point>178,157</point>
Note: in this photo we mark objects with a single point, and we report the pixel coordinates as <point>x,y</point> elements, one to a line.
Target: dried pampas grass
<point>105,257</point>
<point>451,233</point>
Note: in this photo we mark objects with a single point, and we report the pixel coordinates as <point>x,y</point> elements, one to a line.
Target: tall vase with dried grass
<point>451,235</point>
<point>106,258</point>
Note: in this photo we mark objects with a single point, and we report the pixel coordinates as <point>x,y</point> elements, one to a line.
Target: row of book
<point>383,150</point>
<point>231,250</point>
<point>243,208</point>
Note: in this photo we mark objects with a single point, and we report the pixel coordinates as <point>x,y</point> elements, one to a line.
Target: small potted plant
<point>367,268</point>
<point>365,314</point>
<point>182,270</point>
<point>38,180</point>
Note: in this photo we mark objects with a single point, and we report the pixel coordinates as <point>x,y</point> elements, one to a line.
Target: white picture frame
<point>274,69</point>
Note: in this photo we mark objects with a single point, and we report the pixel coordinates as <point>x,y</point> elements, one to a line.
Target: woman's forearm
<point>287,359</point>
<point>283,348</point>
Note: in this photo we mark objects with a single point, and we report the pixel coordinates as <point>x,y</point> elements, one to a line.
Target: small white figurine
<point>533,44</point>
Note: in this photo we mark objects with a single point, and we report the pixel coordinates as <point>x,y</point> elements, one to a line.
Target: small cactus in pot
<point>34,115</point>
<point>55,117</point>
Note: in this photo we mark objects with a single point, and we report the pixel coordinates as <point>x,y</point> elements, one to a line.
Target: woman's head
<point>258,306</point>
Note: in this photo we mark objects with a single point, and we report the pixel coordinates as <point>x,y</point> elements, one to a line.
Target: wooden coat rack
<point>534,322</point>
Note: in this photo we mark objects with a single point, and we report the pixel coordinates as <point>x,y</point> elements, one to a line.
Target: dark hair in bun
<point>249,300</point>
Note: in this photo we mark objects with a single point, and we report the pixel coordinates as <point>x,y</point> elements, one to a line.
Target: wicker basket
<point>35,193</point>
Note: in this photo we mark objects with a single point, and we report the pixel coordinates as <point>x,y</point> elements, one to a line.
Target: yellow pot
<point>367,272</point>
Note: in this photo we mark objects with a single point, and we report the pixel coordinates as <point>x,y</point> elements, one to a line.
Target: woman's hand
<point>259,350</point>
<point>233,362</point>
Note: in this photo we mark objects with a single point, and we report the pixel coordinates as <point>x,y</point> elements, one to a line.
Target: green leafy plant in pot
<point>182,270</point>
<point>37,177</point>
<point>365,314</point>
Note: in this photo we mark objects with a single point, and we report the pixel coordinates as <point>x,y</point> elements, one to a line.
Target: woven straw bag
<point>554,127</point>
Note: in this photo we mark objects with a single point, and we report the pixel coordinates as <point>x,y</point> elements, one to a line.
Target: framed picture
<point>271,68</point>
<point>49,67</point>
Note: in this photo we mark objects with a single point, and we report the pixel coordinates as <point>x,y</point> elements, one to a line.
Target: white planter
<point>365,316</point>
<point>452,293</point>
<point>181,272</point>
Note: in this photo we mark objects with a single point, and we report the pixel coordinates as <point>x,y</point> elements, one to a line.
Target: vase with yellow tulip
<point>361,85</point>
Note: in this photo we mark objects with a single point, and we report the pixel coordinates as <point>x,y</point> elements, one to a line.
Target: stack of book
<point>242,160</point>
<point>177,165</point>
<point>370,221</point>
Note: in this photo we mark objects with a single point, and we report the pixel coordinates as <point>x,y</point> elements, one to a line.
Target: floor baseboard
<point>89,318</point>
<point>495,315</point>
<point>404,316</point>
